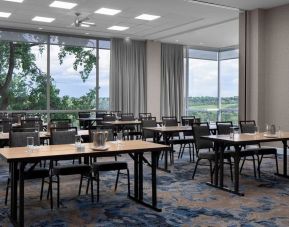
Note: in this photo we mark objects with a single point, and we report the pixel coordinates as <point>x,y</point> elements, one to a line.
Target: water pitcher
<point>99,138</point>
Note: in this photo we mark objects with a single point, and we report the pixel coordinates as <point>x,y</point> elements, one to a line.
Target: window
<point>104,67</point>
<point>23,87</point>
<point>212,85</point>
<point>78,73</point>
<point>73,74</point>
<point>229,85</point>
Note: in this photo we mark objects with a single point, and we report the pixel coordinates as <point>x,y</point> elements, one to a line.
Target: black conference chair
<point>31,170</point>
<point>98,167</point>
<point>60,136</point>
<point>202,129</point>
<point>249,126</point>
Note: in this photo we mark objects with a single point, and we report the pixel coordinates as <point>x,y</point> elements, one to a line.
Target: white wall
<point>154,78</point>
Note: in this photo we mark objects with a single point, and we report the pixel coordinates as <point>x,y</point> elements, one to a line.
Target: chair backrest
<point>144,115</point>
<point>32,123</point>
<point>100,113</point>
<point>187,120</point>
<point>201,129</point>
<point>127,117</point>
<point>224,127</point>
<point>60,123</point>
<point>84,115</point>
<point>32,116</point>
<point>117,113</point>
<point>17,116</point>
<point>19,139</point>
<point>7,124</point>
<point>109,117</point>
<point>247,126</point>
<point>59,136</point>
<point>170,121</point>
<point>148,122</point>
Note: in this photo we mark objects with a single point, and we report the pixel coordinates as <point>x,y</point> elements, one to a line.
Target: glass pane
<point>23,37</point>
<point>104,44</point>
<point>202,100</point>
<point>229,54</point>
<point>72,41</point>
<point>27,88</point>
<point>229,78</point>
<point>104,67</point>
<point>73,78</point>
<point>203,54</point>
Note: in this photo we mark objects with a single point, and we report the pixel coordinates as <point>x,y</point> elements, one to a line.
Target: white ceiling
<point>181,21</point>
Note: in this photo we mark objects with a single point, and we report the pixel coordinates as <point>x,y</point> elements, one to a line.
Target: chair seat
<point>182,141</point>
<point>35,173</point>
<point>206,155</point>
<point>71,169</point>
<point>268,150</point>
<point>258,151</point>
<point>108,166</point>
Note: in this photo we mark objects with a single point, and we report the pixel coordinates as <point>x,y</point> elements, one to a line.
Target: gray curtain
<point>172,80</point>
<point>128,76</point>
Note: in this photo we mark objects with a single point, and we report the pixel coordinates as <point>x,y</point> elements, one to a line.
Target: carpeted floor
<point>184,202</point>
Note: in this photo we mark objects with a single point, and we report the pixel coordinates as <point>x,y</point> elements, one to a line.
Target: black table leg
<point>221,153</point>
<point>216,173</point>
<point>21,195</point>
<point>13,197</point>
<point>140,176</point>
<point>138,196</point>
<point>136,176</point>
<point>284,174</point>
<point>236,173</point>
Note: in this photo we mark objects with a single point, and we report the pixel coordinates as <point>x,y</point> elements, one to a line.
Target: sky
<point>203,78</point>
<point>203,74</point>
<point>68,80</point>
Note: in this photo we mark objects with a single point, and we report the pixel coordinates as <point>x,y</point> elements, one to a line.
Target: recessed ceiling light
<point>85,25</point>
<point>87,33</point>
<point>18,1</point>
<point>107,11</point>
<point>62,5</point>
<point>147,17</point>
<point>43,19</point>
<point>89,23</point>
<point>40,28</point>
<point>118,28</point>
<point>4,14</point>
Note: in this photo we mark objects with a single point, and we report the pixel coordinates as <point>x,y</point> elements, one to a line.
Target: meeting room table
<point>238,141</point>
<point>18,156</point>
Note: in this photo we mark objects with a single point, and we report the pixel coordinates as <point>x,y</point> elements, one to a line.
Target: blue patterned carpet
<point>184,202</point>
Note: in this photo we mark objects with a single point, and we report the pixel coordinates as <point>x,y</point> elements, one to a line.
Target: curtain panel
<point>172,80</point>
<point>128,76</point>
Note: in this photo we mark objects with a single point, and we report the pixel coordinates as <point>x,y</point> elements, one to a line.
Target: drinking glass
<point>256,129</point>
<point>30,143</point>
<point>232,132</point>
<point>78,141</point>
<point>119,137</point>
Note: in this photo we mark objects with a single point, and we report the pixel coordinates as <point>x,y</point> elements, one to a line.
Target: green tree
<point>23,84</point>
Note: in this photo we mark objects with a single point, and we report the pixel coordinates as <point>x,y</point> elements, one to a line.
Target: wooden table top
<point>249,137</point>
<point>169,129</point>
<point>87,149</point>
<point>117,122</point>
<point>5,136</point>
